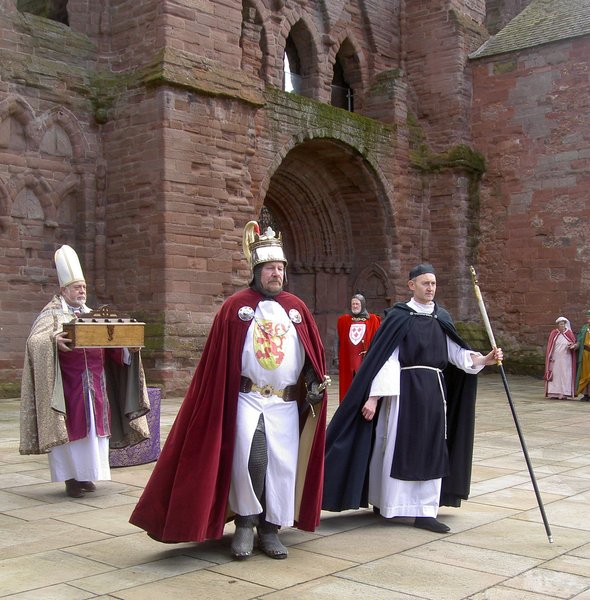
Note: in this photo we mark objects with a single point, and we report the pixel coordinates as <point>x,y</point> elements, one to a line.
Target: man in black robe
<point>402,439</point>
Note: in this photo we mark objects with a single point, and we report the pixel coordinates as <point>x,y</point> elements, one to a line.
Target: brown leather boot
<point>87,486</point>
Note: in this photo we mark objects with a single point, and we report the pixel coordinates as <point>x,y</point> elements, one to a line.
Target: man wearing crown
<point>65,409</point>
<point>248,441</point>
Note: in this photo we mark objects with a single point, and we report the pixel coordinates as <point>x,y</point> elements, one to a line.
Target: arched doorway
<point>338,230</point>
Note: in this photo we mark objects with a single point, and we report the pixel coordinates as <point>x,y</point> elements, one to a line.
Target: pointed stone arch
<point>319,133</point>
<point>42,191</point>
<point>299,32</point>
<point>365,12</point>
<point>345,50</point>
<point>66,198</point>
<point>335,214</point>
<point>69,185</point>
<point>377,287</point>
<point>16,123</point>
<point>59,119</point>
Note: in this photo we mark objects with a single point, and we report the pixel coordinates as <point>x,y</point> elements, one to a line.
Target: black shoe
<point>376,510</point>
<point>585,398</point>
<point>74,489</point>
<point>431,524</point>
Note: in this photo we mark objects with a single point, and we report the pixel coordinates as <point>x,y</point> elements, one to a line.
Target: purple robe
<point>82,373</point>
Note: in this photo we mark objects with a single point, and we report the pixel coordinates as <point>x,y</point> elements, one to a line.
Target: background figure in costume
<point>583,365</point>
<point>560,361</point>
<point>249,438</point>
<point>73,400</point>
<point>355,332</point>
<point>402,439</point>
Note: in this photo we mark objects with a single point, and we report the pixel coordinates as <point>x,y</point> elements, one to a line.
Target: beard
<point>257,284</point>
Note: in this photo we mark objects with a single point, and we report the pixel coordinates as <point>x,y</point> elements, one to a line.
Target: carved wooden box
<point>103,328</point>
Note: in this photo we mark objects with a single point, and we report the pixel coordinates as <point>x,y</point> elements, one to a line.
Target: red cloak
<point>186,498</point>
<point>350,355</point>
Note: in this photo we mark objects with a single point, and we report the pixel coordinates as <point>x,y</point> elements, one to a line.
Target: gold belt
<point>266,391</point>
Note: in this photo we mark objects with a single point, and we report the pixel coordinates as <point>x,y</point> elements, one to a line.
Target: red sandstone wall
<point>438,38</point>
<point>531,119</point>
<point>172,166</point>
<point>48,154</point>
<point>126,32</point>
<point>501,12</point>
<point>219,155</point>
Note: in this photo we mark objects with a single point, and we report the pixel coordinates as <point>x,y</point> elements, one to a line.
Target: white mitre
<point>68,266</point>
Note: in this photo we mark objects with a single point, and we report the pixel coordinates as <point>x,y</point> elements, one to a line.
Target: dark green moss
<point>423,158</point>
<point>155,329</point>
<point>369,135</point>
<point>474,334</point>
<point>506,66</point>
<point>521,360</point>
<point>9,390</point>
<point>460,156</point>
<point>103,89</point>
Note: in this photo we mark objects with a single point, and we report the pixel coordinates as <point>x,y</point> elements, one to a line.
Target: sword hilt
<point>327,382</point>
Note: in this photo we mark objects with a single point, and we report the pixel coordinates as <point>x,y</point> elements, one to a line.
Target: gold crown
<point>263,248</point>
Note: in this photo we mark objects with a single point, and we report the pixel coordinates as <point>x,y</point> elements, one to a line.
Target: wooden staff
<point>486,321</point>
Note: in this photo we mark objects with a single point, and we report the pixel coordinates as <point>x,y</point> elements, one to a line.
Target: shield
<point>356,333</point>
<point>268,341</point>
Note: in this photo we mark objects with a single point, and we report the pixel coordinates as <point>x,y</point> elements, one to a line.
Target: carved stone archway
<point>337,227</point>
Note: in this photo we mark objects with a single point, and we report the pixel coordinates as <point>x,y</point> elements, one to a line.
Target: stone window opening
<point>300,62</point>
<point>56,10</point>
<point>342,93</point>
<point>292,77</point>
<point>347,81</point>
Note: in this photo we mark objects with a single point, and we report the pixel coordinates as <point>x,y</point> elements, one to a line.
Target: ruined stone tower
<point>146,134</point>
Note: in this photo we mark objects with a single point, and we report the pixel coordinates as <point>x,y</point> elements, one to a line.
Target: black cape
<point>349,438</point>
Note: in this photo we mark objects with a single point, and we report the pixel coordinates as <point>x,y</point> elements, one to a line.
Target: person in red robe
<point>355,332</point>
<point>560,362</point>
<point>248,441</point>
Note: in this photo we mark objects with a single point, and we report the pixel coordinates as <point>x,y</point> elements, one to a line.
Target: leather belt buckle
<point>266,391</point>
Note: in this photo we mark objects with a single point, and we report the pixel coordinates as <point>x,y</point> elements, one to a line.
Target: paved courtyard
<point>55,547</point>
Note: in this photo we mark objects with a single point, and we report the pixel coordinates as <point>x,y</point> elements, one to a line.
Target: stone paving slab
<point>55,547</point>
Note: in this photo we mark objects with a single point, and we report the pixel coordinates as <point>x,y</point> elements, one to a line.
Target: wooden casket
<point>102,328</point>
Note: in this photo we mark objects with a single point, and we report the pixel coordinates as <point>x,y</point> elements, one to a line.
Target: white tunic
<point>272,355</point>
<point>396,497</point>
<point>84,460</point>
